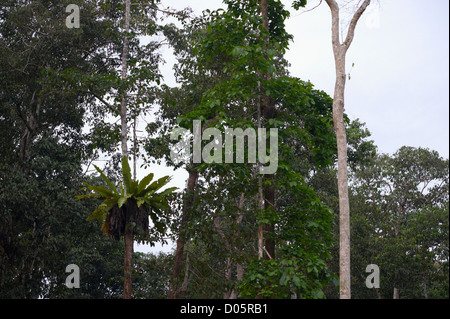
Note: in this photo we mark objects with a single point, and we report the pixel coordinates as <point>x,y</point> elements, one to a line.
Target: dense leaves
<point>132,205</point>
<point>60,91</point>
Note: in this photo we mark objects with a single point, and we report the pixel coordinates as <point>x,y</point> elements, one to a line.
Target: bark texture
<point>128,237</point>
<point>123,104</point>
<point>268,112</point>
<point>340,50</point>
<point>174,291</point>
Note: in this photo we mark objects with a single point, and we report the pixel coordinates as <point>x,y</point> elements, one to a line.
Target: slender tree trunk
<point>260,196</point>
<point>396,294</point>
<point>128,262</point>
<point>340,50</point>
<point>128,237</point>
<point>377,290</point>
<point>123,105</point>
<point>30,121</point>
<point>268,112</point>
<point>188,202</point>
<point>174,291</point>
<point>344,208</point>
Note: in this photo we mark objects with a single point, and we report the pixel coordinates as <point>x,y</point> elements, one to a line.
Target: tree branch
<point>352,26</point>
<point>110,107</point>
<point>334,8</point>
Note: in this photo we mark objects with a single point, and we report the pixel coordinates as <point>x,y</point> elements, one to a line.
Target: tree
<point>126,212</point>
<point>133,89</point>
<point>340,50</point>
<point>151,276</point>
<point>219,72</point>
<point>406,200</point>
<point>43,145</point>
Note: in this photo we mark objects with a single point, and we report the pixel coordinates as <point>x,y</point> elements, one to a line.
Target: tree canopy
<point>237,233</point>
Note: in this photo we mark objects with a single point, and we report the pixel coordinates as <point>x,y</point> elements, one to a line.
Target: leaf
<point>102,190</point>
<point>140,201</point>
<point>103,209</point>
<point>143,183</point>
<point>157,184</point>
<point>90,195</point>
<point>296,281</point>
<point>126,174</point>
<point>106,179</point>
<point>122,200</point>
<point>168,191</point>
<point>284,279</point>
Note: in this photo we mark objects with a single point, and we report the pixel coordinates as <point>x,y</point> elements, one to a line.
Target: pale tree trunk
<point>260,197</point>
<point>340,50</point>
<point>396,294</point>
<point>123,105</point>
<point>268,112</point>
<point>128,236</point>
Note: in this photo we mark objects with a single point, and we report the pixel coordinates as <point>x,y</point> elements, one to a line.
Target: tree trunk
<point>123,104</point>
<point>30,121</point>
<point>396,294</point>
<point>128,237</point>
<point>340,50</point>
<point>344,208</point>
<point>260,196</point>
<point>188,202</point>
<point>377,290</point>
<point>128,262</point>
<point>269,199</point>
<point>268,112</point>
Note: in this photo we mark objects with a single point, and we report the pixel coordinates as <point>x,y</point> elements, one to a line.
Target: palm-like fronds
<point>132,205</point>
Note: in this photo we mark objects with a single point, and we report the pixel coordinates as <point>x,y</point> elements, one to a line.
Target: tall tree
<point>128,236</point>
<point>267,110</point>
<point>219,71</point>
<point>340,49</point>
<point>406,199</point>
<point>42,115</point>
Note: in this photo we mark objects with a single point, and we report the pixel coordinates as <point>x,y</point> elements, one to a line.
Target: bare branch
<point>309,10</point>
<point>334,7</point>
<point>351,28</point>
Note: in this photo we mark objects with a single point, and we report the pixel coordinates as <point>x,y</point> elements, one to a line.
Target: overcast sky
<point>400,80</point>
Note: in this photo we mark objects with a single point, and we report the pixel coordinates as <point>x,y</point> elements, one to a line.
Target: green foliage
<point>55,82</point>
<point>136,192</point>
<point>400,223</point>
<point>219,69</point>
<point>151,275</point>
<point>43,228</point>
<point>298,3</point>
<point>303,235</point>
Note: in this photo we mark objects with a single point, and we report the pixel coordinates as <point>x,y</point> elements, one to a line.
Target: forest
<point>86,115</point>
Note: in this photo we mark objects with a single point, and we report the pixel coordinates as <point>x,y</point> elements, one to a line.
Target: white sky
<point>400,82</point>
